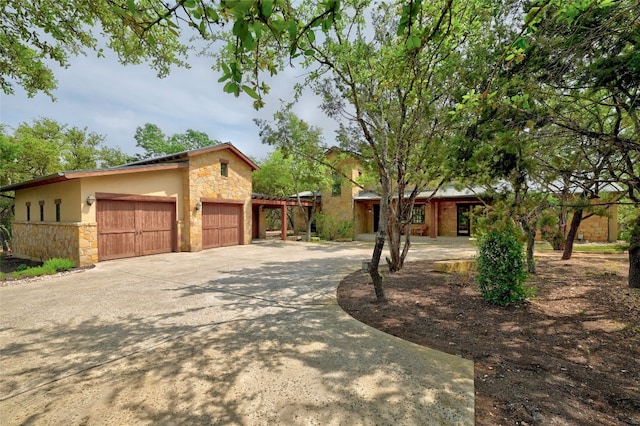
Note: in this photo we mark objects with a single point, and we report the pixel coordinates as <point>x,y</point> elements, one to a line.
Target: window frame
<point>420,208</point>
<point>58,201</point>
<point>224,167</point>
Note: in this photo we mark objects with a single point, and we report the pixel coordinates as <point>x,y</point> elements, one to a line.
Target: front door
<point>376,217</point>
<point>464,219</point>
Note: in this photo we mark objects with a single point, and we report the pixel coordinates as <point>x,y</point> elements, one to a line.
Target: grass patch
<point>49,267</point>
<point>590,248</point>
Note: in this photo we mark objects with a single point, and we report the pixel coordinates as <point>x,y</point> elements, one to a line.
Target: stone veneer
<point>205,181</point>
<point>70,240</point>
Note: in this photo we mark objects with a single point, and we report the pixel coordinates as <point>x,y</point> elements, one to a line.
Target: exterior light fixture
<point>91,199</point>
<point>198,206</point>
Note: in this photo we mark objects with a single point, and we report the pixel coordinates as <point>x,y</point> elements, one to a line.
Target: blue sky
<point>113,100</point>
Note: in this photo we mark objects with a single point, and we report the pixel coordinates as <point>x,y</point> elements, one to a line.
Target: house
<point>447,212</point>
<point>187,201</point>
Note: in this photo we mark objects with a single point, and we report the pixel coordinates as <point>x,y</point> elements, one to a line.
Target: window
<point>336,188</point>
<point>28,211</point>
<point>41,210</point>
<point>224,168</point>
<point>58,201</point>
<point>418,214</point>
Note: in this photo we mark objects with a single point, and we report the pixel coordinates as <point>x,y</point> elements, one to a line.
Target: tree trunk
<point>530,232</point>
<point>394,232</point>
<point>5,246</point>
<point>381,236</point>
<point>571,235</point>
<point>634,255</point>
<point>376,278</point>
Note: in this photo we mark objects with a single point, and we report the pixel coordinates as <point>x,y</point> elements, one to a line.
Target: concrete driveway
<point>247,335</point>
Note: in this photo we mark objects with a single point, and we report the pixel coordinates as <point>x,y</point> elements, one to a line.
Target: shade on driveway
<point>241,335</point>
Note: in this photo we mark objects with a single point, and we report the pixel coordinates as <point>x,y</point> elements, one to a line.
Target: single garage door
<point>128,228</point>
<point>221,225</point>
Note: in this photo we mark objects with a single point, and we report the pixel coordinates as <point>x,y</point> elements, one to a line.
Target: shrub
<point>36,271</point>
<point>59,264</point>
<point>49,267</point>
<point>501,267</point>
<point>329,228</point>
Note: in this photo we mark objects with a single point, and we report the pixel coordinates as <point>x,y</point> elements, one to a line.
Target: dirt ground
<point>570,356</point>
<point>10,264</point>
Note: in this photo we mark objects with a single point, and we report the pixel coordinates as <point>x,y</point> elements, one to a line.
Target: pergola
<point>260,202</point>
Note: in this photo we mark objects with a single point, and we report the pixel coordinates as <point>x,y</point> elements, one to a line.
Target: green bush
<point>329,228</point>
<point>36,271</point>
<point>22,267</point>
<point>501,267</point>
<point>59,264</point>
<point>49,267</point>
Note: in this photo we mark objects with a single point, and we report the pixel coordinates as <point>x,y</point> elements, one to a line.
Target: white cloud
<point>113,100</point>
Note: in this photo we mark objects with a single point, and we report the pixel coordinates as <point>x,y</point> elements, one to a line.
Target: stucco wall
<point>67,192</point>
<point>206,181</point>
<point>164,183</point>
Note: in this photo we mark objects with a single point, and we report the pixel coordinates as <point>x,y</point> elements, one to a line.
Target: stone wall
<point>206,181</point>
<point>341,206</point>
<point>42,241</point>
<point>447,219</point>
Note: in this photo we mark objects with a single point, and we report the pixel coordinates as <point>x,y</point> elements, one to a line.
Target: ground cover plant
<point>16,268</point>
<point>569,356</point>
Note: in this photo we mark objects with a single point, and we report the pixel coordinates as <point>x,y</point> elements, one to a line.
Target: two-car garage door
<point>130,227</point>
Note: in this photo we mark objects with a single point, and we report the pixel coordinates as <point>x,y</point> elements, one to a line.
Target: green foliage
<point>36,271</point>
<point>49,267</point>
<point>60,264</point>
<point>154,143</point>
<point>626,218</point>
<point>22,267</point>
<point>501,267</point>
<point>551,233</point>
<point>330,228</point>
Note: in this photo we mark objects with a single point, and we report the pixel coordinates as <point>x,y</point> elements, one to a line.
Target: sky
<point>113,100</point>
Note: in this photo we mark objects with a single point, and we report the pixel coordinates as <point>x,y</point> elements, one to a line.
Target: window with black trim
<point>58,201</point>
<point>28,204</point>
<point>41,210</point>
<point>224,168</point>
<point>418,214</point>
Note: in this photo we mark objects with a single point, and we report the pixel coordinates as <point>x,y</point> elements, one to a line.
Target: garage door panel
<point>154,242</point>
<point>156,216</point>
<point>211,238</point>
<point>134,228</point>
<point>221,224</point>
<point>116,245</point>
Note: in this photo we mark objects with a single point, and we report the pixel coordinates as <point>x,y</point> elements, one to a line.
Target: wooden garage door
<point>221,225</point>
<point>128,228</point>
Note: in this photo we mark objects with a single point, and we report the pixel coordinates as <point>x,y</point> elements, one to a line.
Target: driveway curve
<point>246,335</point>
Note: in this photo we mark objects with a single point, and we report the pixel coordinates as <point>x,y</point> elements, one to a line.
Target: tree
<point>300,149</point>
<point>152,140</point>
<point>46,147</point>
<point>584,58</point>
<point>41,32</point>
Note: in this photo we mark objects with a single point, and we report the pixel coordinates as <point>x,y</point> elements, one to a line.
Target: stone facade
<point>338,201</point>
<point>54,218</point>
<point>206,181</point>
<point>43,241</point>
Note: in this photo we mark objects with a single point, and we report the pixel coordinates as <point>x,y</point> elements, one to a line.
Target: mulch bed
<point>570,356</point>
<point>9,264</point>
